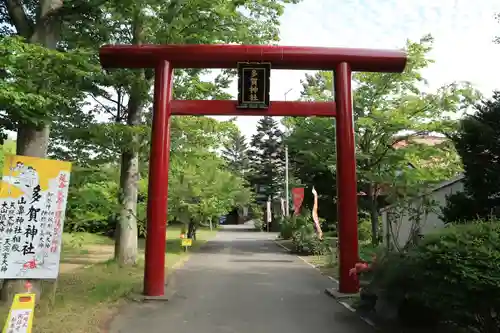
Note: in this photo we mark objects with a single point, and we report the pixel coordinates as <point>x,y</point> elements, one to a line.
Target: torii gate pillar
<point>164,58</point>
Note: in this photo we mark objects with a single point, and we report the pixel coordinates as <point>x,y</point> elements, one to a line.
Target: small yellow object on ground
<point>20,319</point>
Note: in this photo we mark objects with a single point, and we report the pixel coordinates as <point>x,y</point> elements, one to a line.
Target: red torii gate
<point>164,58</point>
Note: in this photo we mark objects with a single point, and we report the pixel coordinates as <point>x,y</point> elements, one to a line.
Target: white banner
<point>269,215</point>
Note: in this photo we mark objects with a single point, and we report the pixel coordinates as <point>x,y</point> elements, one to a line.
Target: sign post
<point>253,85</point>
<point>185,242</point>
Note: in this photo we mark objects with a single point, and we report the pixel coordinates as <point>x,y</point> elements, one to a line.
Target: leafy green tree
<point>204,189</point>
<point>311,147</point>
<point>477,141</point>
<point>172,22</point>
<point>68,26</point>
<point>200,186</point>
<point>92,203</point>
<point>38,82</point>
<point>389,109</point>
<point>235,152</point>
<point>267,157</point>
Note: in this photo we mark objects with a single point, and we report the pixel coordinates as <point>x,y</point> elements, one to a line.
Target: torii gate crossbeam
<point>164,58</point>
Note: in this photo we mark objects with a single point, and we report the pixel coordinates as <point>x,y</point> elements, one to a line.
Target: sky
<point>463,31</point>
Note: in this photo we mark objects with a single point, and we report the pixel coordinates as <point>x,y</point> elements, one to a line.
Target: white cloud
<point>463,32</point>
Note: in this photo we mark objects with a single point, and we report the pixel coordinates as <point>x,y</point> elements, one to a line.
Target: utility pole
<point>287,206</point>
<point>269,216</point>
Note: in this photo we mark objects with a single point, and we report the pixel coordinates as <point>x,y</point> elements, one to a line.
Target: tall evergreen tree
<point>235,152</point>
<point>267,157</point>
<point>478,144</point>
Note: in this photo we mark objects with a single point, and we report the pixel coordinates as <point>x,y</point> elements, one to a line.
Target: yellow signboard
<point>187,242</point>
<point>20,319</point>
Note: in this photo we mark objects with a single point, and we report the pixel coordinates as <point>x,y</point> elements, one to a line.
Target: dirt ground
<point>88,255</point>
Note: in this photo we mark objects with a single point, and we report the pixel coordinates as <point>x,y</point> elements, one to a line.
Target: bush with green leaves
<point>92,201</point>
<point>304,237</point>
<point>258,224</point>
<point>364,229</point>
<point>256,214</point>
<point>453,273</point>
<point>288,224</point>
<point>92,207</point>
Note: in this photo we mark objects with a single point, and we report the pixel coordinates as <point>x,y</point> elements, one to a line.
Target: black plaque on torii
<point>253,85</point>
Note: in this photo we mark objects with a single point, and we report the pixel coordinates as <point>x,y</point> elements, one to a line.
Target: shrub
<point>288,225</point>
<point>302,231</point>
<point>462,208</point>
<point>258,224</point>
<point>307,242</point>
<point>364,229</point>
<point>92,207</point>
<point>454,273</point>
<point>304,237</point>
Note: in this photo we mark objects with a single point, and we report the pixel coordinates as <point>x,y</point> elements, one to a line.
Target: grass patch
<point>79,239</point>
<point>88,296</point>
<point>82,244</point>
<point>327,264</point>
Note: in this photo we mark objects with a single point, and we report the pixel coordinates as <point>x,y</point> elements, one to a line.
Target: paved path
<point>242,282</point>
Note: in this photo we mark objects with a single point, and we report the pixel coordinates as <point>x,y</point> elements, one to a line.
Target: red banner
<point>298,197</point>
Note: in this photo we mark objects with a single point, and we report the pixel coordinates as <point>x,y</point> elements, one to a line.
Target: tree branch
<point>18,17</point>
<point>391,147</point>
<point>117,102</point>
<point>106,108</point>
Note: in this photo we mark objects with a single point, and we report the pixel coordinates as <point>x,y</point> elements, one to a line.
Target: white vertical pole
<point>287,207</point>
<point>269,216</point>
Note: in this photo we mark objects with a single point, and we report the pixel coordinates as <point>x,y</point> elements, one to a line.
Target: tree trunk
<point>192,230</point>
<point>33,140</point>
<point>372,195</point>
<point>126,228</point>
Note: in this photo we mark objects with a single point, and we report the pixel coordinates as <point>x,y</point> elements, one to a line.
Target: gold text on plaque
<point>254,86</point>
